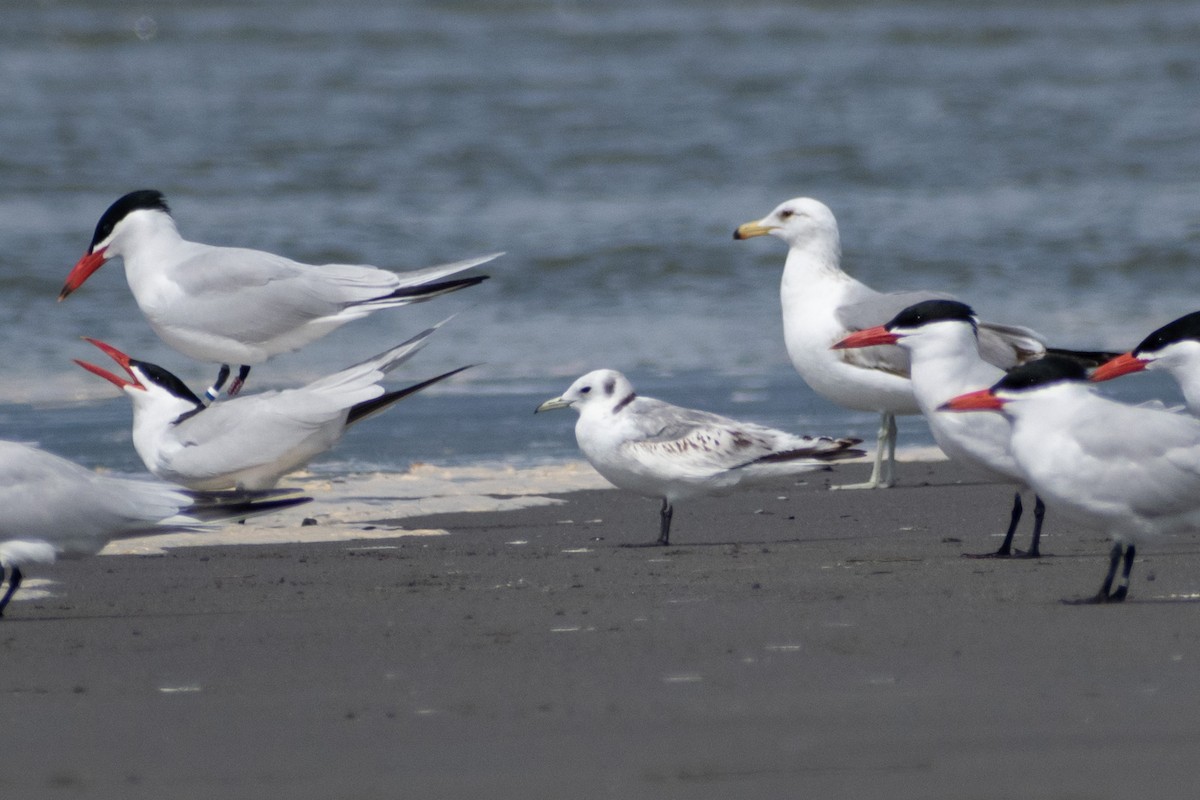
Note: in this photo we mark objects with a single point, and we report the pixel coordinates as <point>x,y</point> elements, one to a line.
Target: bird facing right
<point>656,449</point>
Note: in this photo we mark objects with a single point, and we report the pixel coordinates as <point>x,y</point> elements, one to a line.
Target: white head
<point>802,222</point>
<point>602,390</point>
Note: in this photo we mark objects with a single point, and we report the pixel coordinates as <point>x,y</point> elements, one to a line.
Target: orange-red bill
<point>117,356</point>
<point>867,338</point>
<point>982,400</point>
<point>1115,368</point>
<point>82,270</point>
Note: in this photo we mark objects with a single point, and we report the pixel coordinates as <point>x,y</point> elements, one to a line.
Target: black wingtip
<point>370,407</point>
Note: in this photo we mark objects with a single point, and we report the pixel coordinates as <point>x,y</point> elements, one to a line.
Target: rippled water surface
<point>1038,160</point>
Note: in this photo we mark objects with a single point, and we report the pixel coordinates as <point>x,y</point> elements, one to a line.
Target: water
<point>1038,160</point>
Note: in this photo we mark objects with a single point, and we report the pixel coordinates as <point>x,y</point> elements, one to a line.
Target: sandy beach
<point>792,642</point>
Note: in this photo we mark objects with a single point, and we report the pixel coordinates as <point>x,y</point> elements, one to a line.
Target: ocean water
<point>1038,160</point>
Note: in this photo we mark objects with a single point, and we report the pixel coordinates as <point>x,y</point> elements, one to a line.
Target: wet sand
<point>792,642</point>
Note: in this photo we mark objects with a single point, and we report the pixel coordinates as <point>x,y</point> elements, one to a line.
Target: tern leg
<point>1005,550</point>
<point>240,380</point>
<point>14,582</point>
<point>883,472</point>
<point>1103,596</point>
<point>222,375</point>
<point>1039,513</point>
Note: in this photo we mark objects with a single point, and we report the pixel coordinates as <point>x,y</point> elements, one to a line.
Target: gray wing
<point>697,443</point>
<point>877,308</point>
<point>1007,346</point>
<point>46,497</point>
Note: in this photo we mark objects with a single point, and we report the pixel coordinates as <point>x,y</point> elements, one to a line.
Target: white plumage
<point>232,305</point>
<point>52,507</point>
<point>251,441</point>
<point>660,450</point>
<point>822,305</point>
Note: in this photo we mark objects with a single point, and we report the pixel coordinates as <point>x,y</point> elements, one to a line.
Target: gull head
<point>800,222</point>
<point>601,389</point>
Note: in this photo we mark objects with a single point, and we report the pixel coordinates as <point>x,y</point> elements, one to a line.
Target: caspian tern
<point>1130,471</point>
<point>941,338</point>
<point>660,450</point>
<point>52,507</point>
<point>822,305</point>
<point>232,305</point>
<point>250,441</point>
<point>1174,347</point>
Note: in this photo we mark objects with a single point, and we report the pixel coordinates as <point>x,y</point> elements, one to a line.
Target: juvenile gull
<point>660,450</point>
<point>822,305</point>
<point>232,305</point>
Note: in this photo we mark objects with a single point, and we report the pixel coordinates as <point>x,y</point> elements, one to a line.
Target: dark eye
<point>585,390</point>
<point>787,212</point>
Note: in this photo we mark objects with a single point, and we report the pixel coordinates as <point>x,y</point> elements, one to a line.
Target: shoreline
<point>791,640</point>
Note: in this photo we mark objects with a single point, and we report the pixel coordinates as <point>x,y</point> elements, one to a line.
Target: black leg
<point>1039,513</point>
<point>1102,596</point>
<point>1123,587</point>
<point>14,582</point>
<point>240,380</point>
<point>213,391</point>
<point>664,535</point>
<point>1005,550</point>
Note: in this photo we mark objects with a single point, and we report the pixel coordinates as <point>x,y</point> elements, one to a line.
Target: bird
<point>232,305</point>
<point>660,450</point>
<point>250,441</point>
<point>1131,472</point>
<point>51,507</point>
<point>1174,347</point>
<point>822,305</point>
<point>942,342</point>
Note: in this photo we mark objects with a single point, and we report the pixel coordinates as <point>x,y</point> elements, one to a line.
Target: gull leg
<point>14,581</point>
<point>1102,596</point>
<point>210,394</point>
<point>240,380</point>
<point>888,429</point>
<point>665,514</point>
<point>664,527</point>
<point>883,474</point>
<point>1123,587</point>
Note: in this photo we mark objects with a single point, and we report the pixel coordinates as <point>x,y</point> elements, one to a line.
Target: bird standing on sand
<point>660,450</point>
<point>250,441</point>
<point>52,507</point>
<point>1129,471</point>
<point>822,305</point>
<point>233,305</point>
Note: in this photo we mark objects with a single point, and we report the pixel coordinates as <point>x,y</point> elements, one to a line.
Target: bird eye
<point>787,212</point>
<point>585,390</point>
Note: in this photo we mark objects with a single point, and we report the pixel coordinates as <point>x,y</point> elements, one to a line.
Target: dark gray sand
<point>793,642</point>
